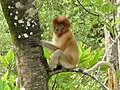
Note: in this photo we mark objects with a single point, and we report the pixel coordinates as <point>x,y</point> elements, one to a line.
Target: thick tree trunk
<point>23,21</point>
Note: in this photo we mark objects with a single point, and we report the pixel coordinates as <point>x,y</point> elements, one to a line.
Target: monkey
<point>64,46</point>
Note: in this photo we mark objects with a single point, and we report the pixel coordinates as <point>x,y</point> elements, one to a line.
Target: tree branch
<point>79,70</point>
<point>103,58</point>
<point>87,10</point>
<point>110,47</point>
<point>87,72</point>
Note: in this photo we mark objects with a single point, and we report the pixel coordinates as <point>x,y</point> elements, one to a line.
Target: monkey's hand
<point>32,41</point>
<point>48,45</point>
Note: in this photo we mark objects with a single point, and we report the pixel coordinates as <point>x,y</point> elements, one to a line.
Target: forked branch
<point>87,72</point>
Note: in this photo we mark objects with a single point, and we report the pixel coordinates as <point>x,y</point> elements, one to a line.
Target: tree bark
<point>112,57</point>
<point>23,21</point>
<point>118,29</point>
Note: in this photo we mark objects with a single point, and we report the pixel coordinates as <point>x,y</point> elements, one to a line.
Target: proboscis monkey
<point>63,46</point>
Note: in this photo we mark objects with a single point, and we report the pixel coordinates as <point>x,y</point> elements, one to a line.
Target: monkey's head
<point>61,25</point>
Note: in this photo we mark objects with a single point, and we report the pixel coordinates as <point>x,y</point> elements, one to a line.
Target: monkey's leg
<point>65,61</point>
<point>58,57</point>
<point>54,60</point>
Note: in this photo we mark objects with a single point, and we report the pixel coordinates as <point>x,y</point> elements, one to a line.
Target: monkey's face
<point>59,28</point>
<point>61,25</point>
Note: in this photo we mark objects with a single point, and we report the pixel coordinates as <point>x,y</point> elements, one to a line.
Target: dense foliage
<point>87,18</point>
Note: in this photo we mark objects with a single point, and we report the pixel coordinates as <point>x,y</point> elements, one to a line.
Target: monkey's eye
<point>61,26</point>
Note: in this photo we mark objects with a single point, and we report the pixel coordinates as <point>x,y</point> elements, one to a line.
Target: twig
<point>79,70</point>
<point>87,10</point>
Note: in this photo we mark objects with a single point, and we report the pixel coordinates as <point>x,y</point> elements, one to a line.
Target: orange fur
<point>66,50</point>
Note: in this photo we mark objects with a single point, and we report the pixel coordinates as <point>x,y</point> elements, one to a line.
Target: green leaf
<point>86,63</point>
<point>104,67</point>
<point>3,61</point>
<point>10,56</point>
<point>5,76</point>
<point>96,1</point>
<point>84,60</point>
<point>92,23</point>
<point>11,79</point>
<point>107,8</point>
<point>81,47</point>
<point>96,56</point>
<point>118,74</point>
<point>16,88</point>
<point>14,72</point>
<point>6,87</point>
<point>117,20</point>
<point>116,6</point>
<point>84,55</point>
<point>47,53</point>
<point>10,86</point>
<point>107,24</point>
<point>2,85</point>
<point>84,2</point>
<point>71,84</point>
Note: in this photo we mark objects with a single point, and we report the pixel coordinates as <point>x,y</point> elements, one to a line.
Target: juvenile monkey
<point>63,46</point>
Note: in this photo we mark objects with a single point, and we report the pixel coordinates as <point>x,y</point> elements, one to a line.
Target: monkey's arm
<point>48,45</point>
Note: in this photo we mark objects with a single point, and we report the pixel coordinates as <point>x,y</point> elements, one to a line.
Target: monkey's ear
<point>67,16</point>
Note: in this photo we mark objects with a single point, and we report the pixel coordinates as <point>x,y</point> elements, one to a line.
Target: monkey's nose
<point>57,28</point>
